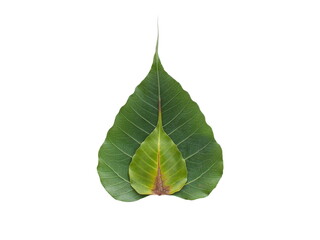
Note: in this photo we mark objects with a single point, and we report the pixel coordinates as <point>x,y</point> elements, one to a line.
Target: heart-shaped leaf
<point>158,166</point>
<point>160,144</point>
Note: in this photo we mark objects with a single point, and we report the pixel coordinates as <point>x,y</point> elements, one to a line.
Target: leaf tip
<point>157,44</point>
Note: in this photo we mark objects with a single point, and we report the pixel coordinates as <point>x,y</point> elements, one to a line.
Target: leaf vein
<point>129,135</point>
<point>149,158</point>
<point>142,117</point>
<point>145,101</point>
<point>176,115</point>
<point>191,155</point>
<point>183,123</point>
<point>167,90</point>
<point>201,174</point>
<point>144,108</point>
<point>172,99</point>
<point>120,148</point>
<point>114,171</point>
<point>134,124</point>
<point>189,136</point>
<point>122,193</point>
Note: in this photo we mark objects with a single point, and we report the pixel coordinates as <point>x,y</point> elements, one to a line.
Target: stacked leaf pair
<point>160,144</point>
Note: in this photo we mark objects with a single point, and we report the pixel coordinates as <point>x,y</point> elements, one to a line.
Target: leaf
<point>158,166</point>
<point>182,129</point>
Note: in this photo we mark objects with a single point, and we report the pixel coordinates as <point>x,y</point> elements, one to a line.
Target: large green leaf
<point>159,108</point>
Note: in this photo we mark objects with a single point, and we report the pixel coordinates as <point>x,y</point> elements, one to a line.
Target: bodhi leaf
<point>158,166</point>
<point>159,144</point>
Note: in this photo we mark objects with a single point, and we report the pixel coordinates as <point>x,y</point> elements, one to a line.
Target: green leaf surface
<point>159,108</point>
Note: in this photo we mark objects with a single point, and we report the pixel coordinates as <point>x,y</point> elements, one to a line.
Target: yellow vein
<point>149,158</point>
<point>166,151</point>
<point>151,149</point>
<point>138,166</point>
<point>175,164</point>
<point>148,187</point>
<point>181,169</point>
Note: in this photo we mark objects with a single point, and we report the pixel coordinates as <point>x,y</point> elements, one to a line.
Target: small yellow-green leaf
<point>158,167</point>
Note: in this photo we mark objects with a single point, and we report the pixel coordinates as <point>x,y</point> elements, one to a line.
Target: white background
<point>66,68</point>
